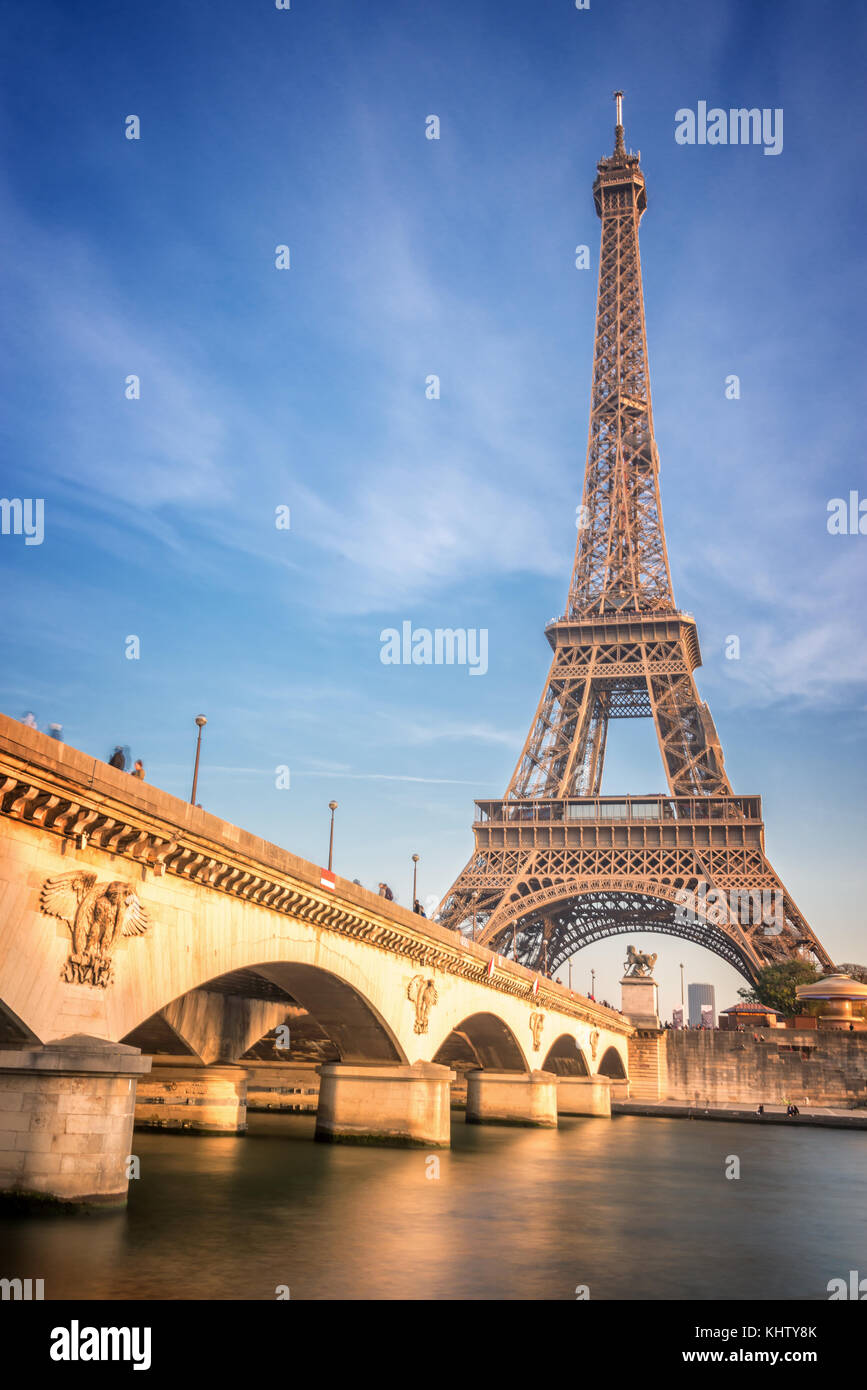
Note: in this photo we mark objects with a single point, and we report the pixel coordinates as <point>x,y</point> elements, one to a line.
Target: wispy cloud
<point>455,731</point>
<point>389,777</point>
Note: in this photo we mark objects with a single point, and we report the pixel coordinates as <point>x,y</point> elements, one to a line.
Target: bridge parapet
<point>78,798</point>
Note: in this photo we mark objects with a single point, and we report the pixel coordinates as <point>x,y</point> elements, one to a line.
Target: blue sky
<point>306,388</point>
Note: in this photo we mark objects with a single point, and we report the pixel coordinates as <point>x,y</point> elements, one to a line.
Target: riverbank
<point>774,1114</point>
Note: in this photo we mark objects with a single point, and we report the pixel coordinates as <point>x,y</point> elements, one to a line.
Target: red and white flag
<point>327,879</point>
<point>490,967</point>
<point>535,986</point>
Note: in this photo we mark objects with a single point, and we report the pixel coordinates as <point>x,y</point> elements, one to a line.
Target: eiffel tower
<point>556,865</point>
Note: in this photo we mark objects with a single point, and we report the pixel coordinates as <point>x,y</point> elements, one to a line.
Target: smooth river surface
<point>632,1207</point>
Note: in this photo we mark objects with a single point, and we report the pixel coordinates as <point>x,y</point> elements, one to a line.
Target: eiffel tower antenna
<point>556,864</point>
<point>618,129</point>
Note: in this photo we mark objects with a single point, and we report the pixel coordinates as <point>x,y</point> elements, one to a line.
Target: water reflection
<point>635,1208</point>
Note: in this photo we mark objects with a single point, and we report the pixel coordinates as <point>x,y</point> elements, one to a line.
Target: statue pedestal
<point>639,1000</point>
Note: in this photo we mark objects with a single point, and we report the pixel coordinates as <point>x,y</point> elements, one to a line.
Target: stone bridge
<point>153,957</point>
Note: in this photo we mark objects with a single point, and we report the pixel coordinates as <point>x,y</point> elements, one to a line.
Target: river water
<point>631,1208</point>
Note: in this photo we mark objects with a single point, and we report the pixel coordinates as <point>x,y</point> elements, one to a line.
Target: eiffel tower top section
<point>556,864</point>
<point>621,562</point>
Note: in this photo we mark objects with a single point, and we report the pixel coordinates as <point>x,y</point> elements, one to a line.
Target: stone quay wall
<point>776,1065</point>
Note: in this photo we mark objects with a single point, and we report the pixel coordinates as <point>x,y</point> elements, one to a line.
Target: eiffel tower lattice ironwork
<point>556,865</point>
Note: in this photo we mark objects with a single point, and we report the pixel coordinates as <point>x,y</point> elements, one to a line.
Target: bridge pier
<point>385,1104</point>
<point>584,1095</point>
<point>195,1099</point>
<point>512,1098</point>
<point>66,1118</point>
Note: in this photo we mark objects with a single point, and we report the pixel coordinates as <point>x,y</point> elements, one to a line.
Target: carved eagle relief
<point>423,994</point>
<point>96,915</point>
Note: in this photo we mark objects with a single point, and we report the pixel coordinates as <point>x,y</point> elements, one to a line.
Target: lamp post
<point>332,806</point>
<point>682,1005</point>
<point>201,721</point>
<point>570,972</point>
<point>414,879</point>
<point>592,984</point>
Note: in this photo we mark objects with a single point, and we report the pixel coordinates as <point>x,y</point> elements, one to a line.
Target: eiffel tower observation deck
<point>556,865</point>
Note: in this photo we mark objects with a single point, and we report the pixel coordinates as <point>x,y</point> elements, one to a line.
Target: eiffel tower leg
<point>557,739</point>
<point>565,749</point>
<point>590,776</point>
<point>761,908</point>
<point>688,740</point>
<point>479,889</point>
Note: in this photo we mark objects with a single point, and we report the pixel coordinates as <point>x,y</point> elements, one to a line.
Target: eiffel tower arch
<point>556,865</point>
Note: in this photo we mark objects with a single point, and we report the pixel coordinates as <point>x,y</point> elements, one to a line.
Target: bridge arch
<point>482,1040</point>
<point>342,1011</point>
<point>13,1030</point>
<point>357,1029</point>
<point>612,1064</point>
<point>565,1058</point>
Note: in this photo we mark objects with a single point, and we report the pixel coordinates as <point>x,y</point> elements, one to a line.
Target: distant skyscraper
<point>699,995</point>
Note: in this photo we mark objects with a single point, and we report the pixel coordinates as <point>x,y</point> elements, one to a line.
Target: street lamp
<point>592,984</point>
<point>332,806</point>
<point>414,879</point>
<point>201,721</point>
<point>682,1005</point>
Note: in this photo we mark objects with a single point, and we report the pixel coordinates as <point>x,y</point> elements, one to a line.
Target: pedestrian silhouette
<point>117,759</point>
<point>138,770</point>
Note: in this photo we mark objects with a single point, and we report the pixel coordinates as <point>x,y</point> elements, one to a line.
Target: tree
<point>858,972</point>
<point>776,985</point>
